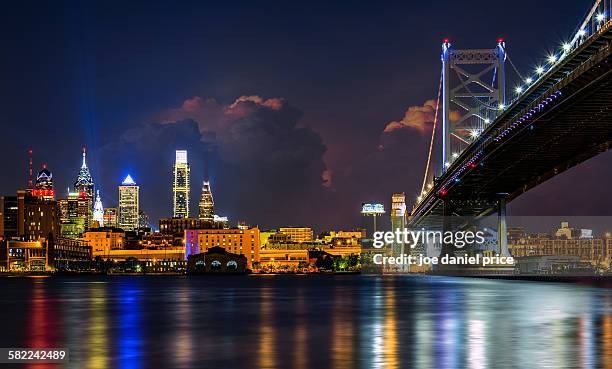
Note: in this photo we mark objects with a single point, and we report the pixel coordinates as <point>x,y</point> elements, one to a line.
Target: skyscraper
<point>74,215</point>
<point>98,211</point>
<point>44,184</point>
<point>207,205</point>
<point>84,184</point>
<point>181,185</point>
<point>128,204</point>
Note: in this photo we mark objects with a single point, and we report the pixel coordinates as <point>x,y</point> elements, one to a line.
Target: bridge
<point>560,116</point>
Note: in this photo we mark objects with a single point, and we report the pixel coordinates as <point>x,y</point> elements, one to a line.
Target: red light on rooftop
<point>500,40</point>
<point>446,41</point>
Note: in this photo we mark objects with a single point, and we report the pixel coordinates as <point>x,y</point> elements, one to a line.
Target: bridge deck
<point>561,121</point>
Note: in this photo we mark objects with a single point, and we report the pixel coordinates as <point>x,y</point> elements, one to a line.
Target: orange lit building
<point>298,234</point>
<point>238,241</point>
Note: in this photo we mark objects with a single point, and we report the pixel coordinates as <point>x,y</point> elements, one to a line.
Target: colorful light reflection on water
<point>305,322</point>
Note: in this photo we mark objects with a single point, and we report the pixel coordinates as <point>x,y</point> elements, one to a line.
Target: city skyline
<point>305,155</point>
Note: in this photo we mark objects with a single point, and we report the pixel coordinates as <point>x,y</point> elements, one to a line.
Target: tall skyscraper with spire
<point>98,211</point>
<point>128,204</point>
<point>207,205</point>
<point>84,187</point>
<point>84,184</point>
<point>181,185</point>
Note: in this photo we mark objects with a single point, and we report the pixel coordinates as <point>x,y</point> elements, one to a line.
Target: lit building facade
<point>98,211</point>
<point>44,184</point>
<point>298,234</point>
<point>178,226</point>
<point>75,214</point>
<point>237,241</point>
<point>36,217</point>
<point>181,185</point>
<point>110,217</point>
<point>103,240</point>
<point>207,204</point>
<point>128,204</point>
<point>84,183</point>
<point>25,256</point>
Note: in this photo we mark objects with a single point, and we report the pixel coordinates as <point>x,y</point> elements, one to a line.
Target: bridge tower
<point>473,94</point>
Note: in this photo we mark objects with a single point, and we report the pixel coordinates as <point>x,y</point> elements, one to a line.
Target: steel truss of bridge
<point>563,119</point>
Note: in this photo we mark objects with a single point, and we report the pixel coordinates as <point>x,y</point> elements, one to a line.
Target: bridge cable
<point>515,68</point>
<point>433,134</point>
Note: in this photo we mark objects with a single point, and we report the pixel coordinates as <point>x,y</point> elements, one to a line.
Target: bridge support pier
<point>447,225</point>
<point>502,229</point>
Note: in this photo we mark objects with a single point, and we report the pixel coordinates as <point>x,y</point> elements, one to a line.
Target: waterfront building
<point>283,259</point>
<point>103,240</point>
<point>67,252</point>
<point>98,211</point>
<point>128,204</point>
<point>216,260</point>
<point>298,234</point>
<point>181,185</point>
<point>597,251</point>
<point>177,226</point>
<point>157,240</point>
<point>238,241</point>
<point>24,256</point>
<point>169,257</point>
<point>207,205</point>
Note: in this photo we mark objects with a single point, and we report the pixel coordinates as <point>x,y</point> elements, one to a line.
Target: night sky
<point>281,104</point>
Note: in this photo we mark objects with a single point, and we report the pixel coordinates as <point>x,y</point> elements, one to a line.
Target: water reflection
<point>97,340</point>
<point>266,357</point>
<point>337,322</point>
<point>129,340</point>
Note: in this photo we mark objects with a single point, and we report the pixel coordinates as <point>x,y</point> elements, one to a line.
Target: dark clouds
<point>264,167</point>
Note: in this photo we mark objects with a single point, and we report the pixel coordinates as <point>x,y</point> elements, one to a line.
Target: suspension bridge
<point>495,148</point>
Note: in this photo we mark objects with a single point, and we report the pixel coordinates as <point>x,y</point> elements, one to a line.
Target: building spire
<point>84,165</point>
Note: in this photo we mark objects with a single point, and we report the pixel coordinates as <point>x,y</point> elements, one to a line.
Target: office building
<point>84,183</point>
<point>207,205</point>
<point>37,218</point>
<point>43,187</point>
<point>75,215</point>
<point>128,204</point>
<point>181,185</point>
<point>110,217</point>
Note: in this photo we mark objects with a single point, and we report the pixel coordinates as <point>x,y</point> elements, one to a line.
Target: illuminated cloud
<point>253,150</point>
<point>416,117</point>
<point>419,118</point>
